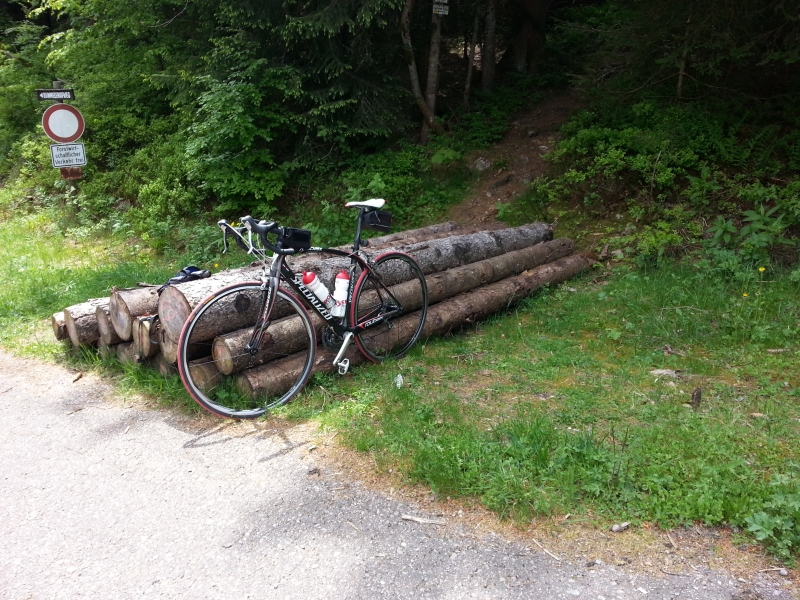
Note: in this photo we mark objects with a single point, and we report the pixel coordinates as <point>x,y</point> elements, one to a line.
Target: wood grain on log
<point>59,326</point>
<point>107,334</point>
<point>143,336</point>
<point>81,321</point>
<point>277,377</point>
<point>169,348</point>
<point>178,301</point>
<point>125,305</point>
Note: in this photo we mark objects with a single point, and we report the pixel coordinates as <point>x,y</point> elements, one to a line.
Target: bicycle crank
<point>343,363</point>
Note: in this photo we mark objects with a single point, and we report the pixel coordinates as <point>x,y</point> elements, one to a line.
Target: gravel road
<point>103,500</point>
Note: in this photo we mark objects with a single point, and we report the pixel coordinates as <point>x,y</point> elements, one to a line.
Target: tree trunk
<point>489,55</point>
<point>442,318</point>
<point>81,322</point>
<point>471,58</point>
<point>411,61</point>
<point>286,337</point>
<point>684,54</point>
<point>125,305</point>
<point>107,334</point>
<point>178,301</point>
<point>432,87</point>
<point>59,326</point>
<point>527,45</point>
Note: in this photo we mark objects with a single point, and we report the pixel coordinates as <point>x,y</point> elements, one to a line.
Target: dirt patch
<point>508,167</point>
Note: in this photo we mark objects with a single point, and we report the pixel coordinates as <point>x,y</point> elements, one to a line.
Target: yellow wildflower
<point>761,269</point>
<point>745,295</point>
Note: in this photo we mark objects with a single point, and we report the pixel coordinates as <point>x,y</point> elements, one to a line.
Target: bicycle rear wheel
<point>390,303</point>
<point>219,370</point>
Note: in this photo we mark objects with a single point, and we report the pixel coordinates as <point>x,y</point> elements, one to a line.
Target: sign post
<point>64,125</point>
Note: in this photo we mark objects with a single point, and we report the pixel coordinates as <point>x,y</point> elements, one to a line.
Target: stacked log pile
<point>471,273</point>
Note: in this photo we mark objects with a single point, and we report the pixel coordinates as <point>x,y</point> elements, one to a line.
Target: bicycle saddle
<point>374,203</point>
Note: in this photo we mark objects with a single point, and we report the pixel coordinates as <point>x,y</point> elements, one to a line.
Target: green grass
<point>552,408</point>
<point>548,409</point>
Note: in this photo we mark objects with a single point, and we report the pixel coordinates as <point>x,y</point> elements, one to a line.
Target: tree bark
<point>444,317</point>
<point>411,61</point>
<point>471,58</point>
<point>178,301</point>
<point>432,86</point>
<point>125,305</point>
<point>489,55</point>
<point>81,322</point>
<point>286,336</point>
<point>525,51</point>
<point>684,54</point>
<point>107,334</point>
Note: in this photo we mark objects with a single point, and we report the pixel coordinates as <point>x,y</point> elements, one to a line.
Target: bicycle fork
<point>343,363</point>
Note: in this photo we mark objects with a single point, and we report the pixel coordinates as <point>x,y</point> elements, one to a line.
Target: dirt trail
<point>509,166</point>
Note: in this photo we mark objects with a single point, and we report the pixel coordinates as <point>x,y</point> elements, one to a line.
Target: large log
<point>59,326</point>
<point>277,377</point>
<point>420,232</point>
<point>107,334</point>
<point>125,305</point>
<point>178,301</point>
<point>81,322</point>
<point>286,336</point>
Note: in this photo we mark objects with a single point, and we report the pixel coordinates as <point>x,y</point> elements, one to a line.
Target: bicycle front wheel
<point>232,366</point>
<point>390,303</point>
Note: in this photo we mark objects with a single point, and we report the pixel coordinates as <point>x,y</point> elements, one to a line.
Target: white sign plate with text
<point>440,9</point>
<point>68,155</point>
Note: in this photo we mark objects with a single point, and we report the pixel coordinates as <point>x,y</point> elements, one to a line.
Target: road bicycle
<point>252,346</point>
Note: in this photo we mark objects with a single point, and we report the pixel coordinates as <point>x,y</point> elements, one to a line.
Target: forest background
<point>689,137</point>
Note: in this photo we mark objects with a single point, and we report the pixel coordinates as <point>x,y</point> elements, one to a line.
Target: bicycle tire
<point>395,285</point>
<point>213,363</point>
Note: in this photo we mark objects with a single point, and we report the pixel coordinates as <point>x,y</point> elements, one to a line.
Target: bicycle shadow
<point>233,431</point>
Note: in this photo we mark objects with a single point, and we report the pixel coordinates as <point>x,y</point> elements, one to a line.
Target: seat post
<point>357,240</point>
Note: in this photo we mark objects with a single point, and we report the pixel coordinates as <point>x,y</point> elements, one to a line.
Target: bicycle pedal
<point>343,365</point>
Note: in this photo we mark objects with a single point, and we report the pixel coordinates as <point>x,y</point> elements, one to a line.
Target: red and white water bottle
<point>340,293</point>
<point>312,282</point>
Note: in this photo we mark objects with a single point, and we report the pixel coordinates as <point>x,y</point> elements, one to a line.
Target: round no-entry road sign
<point>63,123</point>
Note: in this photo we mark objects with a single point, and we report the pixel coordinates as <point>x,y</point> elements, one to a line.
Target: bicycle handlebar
<point>261,228</point>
